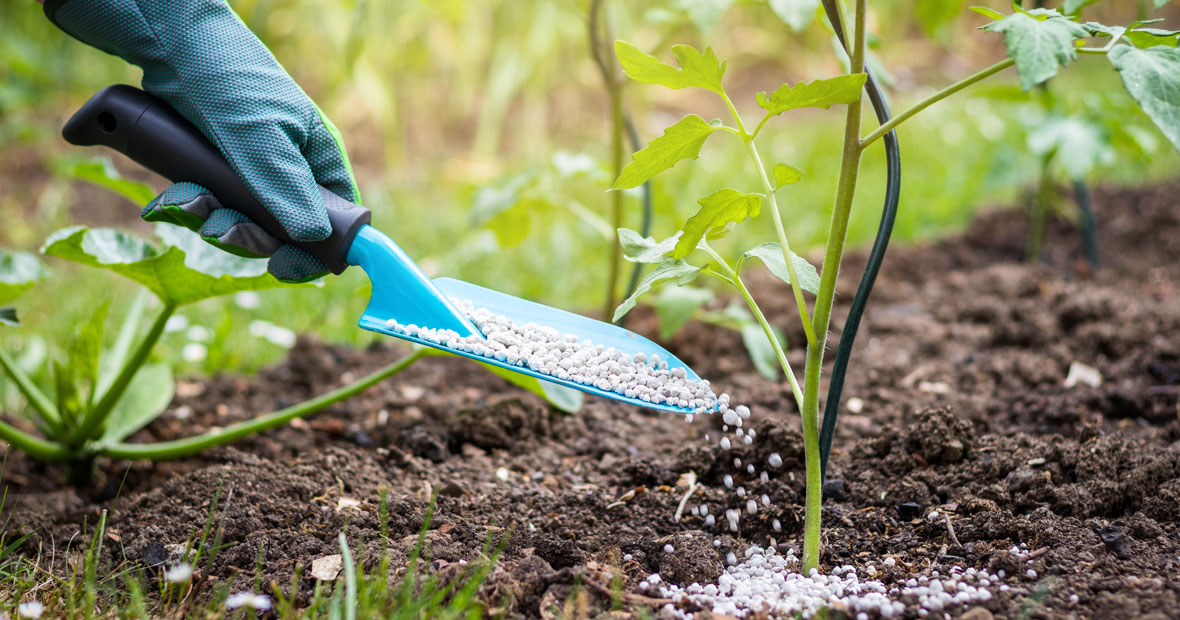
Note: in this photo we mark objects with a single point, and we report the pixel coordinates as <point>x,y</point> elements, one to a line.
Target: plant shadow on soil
<point>958,374</point>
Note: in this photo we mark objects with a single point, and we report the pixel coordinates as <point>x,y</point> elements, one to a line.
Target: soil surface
<point>956,403</point>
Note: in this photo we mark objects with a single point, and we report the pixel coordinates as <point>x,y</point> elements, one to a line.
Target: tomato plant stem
<point>191,445</point>
<point>732,276</point>
<point>752,150</point>
<point>604,57</point>
<point>94,417</point>
<point>837,233</point>
<point>36,397</point>
<point>935,98</point>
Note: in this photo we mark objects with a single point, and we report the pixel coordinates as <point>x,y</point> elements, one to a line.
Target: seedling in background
<point>101,396</point>
<point>1039,43</point>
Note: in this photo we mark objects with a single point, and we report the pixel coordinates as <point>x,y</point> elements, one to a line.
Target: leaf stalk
<point>191,445</point>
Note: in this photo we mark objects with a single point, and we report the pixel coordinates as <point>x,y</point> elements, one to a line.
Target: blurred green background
<point>480,134</point>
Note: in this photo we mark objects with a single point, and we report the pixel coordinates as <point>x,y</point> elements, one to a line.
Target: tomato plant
<point>1039,43</point>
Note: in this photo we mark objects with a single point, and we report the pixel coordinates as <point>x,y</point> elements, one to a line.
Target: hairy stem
<point>837,233</point>
<point>935,98</point>
<point>94,418</point>
<point>184,447</point>
<point>780,231</point>
<point>736,281</point>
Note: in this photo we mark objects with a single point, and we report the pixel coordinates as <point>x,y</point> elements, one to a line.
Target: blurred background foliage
<point>480,134</point>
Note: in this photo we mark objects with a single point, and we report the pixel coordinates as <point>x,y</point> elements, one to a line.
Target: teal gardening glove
<point>201,58</point>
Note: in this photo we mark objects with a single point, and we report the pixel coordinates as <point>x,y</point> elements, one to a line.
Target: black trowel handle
<point>147,129</point>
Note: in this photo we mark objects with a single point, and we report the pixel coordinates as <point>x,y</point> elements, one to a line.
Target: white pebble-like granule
<point>544,350</point>
<point>768,583</point>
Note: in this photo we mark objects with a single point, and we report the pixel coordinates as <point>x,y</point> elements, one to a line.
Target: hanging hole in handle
<point>107,122</point>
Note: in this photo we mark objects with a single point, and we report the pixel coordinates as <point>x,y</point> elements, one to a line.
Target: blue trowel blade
<point>403,293</point>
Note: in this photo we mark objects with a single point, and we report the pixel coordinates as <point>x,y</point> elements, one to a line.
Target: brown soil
<point>958,375</point>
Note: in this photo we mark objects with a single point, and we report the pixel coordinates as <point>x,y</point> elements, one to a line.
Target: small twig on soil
<point>951,530</point>
<point>692,487</point>
<point>630,597</point>
<point>1036,554</point>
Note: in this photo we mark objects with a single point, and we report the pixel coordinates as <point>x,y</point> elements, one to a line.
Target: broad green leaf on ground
<point>934,14</point>
<point>1078,146</point>
<point>147,395</point>
<point>669,269</point>
<point>1151,37</point>
<point>640,249</point>
<point>675,305</point>
<point>1152,76</point>
<point>986,12</point>
<point>186,270</point>
<point>797,14</point>
<point>682,140</point>
<point>705,13</point>
<point>8,316</point>
<point>761,351</point>
<point>717,210</point>
<point>786,175</point>
<point>697,69</point>
<point>818,94</point>
<point>101,171</point>
<point>563,398</point>
<point>18,272</point>
<point>1039,44</point>
<point>771,255</point>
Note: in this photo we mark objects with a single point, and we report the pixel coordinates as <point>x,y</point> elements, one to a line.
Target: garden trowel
<point>146,129</point>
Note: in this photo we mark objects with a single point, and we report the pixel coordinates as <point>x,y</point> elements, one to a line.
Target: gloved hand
<point>201,58</point>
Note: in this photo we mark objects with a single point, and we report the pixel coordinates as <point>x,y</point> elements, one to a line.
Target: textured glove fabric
<point>196,208</point>
<point>199,57</point>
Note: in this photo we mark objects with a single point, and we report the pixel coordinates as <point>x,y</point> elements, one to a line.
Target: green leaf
<point>185,271</point>
<point>1040,44</point>
<point>8,317</point>
<point>1073,7</point>
<point>680,141</point>
<point>1078,146</point>
<point>1152,76</point>
<point>797,14</point>
<point>761,351</point>
<point>705,13</point>
<point>771,255</point>
<point>102,172</point>
<point>675,305</point>
<point>934,14</point>
<point>563,398</point>
<point>818,94</point>
<point>668,269</point>
<point>1159,4</point>
<point>697,69</point>
<point>717,209</point>
<point>986,12</point>
<point>786,175</point>
<point>86,347</point>
<point>146,397</point>
<point>640,249</point>
<point>1151,37</point>
<point>18,272</point>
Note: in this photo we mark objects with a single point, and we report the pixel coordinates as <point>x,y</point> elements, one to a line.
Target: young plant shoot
<point>104,395</point>
<point>1039,43</point>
